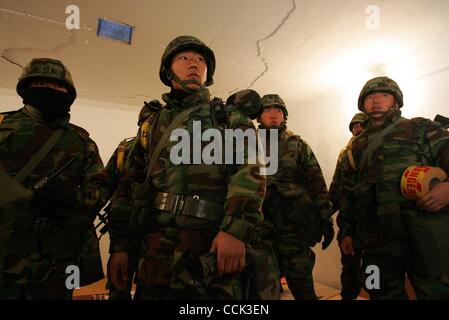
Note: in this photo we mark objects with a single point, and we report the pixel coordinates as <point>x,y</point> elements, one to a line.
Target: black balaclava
<point>51,103</point>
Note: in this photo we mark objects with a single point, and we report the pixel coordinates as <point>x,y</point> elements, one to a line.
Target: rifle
<point>196,271</point>
<point>104,220</point>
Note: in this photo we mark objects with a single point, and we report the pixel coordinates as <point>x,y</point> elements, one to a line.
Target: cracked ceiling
<point>299,49</point>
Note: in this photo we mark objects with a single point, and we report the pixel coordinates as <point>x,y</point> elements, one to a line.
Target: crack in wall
<point>259,50</point>
<point>11,61</point>
<point>27,15</point>
<point>9,52</point>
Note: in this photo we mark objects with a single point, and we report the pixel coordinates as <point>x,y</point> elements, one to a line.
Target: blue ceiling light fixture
<point>114,30</point>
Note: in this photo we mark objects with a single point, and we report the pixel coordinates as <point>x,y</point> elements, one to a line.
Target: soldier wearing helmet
<point>296,209</point>
<point>380,98</point>
<point>398,235</point>
<point>61,164</point>
<point>189,208</point>
<point>350,274</point>
<point>123,169</point>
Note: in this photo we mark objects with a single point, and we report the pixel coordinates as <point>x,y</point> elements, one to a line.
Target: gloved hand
<point>327,230</point>
<point>55,194</point>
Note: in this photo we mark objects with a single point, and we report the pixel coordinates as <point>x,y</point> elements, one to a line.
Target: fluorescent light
<point>114,30</point>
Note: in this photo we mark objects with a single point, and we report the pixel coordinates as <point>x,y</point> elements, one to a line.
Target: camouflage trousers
<point>34,278</point>
<point>351,277</point>
<point>394,261</point>
<point>296,262</point>
<point>265,273</point>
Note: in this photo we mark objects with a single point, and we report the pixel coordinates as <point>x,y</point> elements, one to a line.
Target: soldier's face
<point>356,129</point>
<point>48,84</point>
<point>378,103</point>
<point>189,65</point>
<point>272,117</point>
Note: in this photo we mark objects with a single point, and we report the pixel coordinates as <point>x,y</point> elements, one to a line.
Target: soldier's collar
<point>282,128</point>
<point>190,100</point>
<point>390,117</point>
<point>34,114</point>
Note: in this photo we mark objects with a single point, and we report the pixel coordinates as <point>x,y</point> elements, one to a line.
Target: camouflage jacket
<point>238,188</point>
<point>299,179</point>
<point>23,133</point>
<point>121,181</point>
<point>114,170</point>
<point>336,184</point>
<point>371,196</point>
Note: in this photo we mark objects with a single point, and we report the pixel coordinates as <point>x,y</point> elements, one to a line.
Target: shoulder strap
<point>377,140</point>
<point>120,160</point>
<point>2,116</point>
<point>173,124</point>
<point>348,150</point>
<point>39,156</point>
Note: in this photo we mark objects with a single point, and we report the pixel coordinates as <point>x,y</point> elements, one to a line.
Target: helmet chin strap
<point>383,113</point>
<point>184,83</point>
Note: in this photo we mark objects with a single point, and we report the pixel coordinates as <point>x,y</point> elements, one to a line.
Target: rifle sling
<point>37,158</point>
<point>173,124</point>
<point>376,141</point>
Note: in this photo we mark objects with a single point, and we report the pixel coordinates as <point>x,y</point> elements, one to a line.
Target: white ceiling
<point>300,49</point>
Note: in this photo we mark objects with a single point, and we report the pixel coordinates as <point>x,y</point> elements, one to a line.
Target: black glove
<point>327,230</point>
<point>55,194</point>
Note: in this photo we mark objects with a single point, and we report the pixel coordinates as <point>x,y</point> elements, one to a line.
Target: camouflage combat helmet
<point>269,100</point>
<point>46,68</point>
<point>185,43</point>
<point>358,118</point>
<point>381,84</point>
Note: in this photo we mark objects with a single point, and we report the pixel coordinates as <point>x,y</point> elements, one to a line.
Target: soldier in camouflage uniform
<point>296,209</point>
<point>55,229</point>
<point>398,235</point>
<point>188,208</point>
<point>122,161</point>
<point>350,274</point>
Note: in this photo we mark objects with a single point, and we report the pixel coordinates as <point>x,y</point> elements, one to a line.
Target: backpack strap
<point>348,150</point>
<point>120,157</point>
